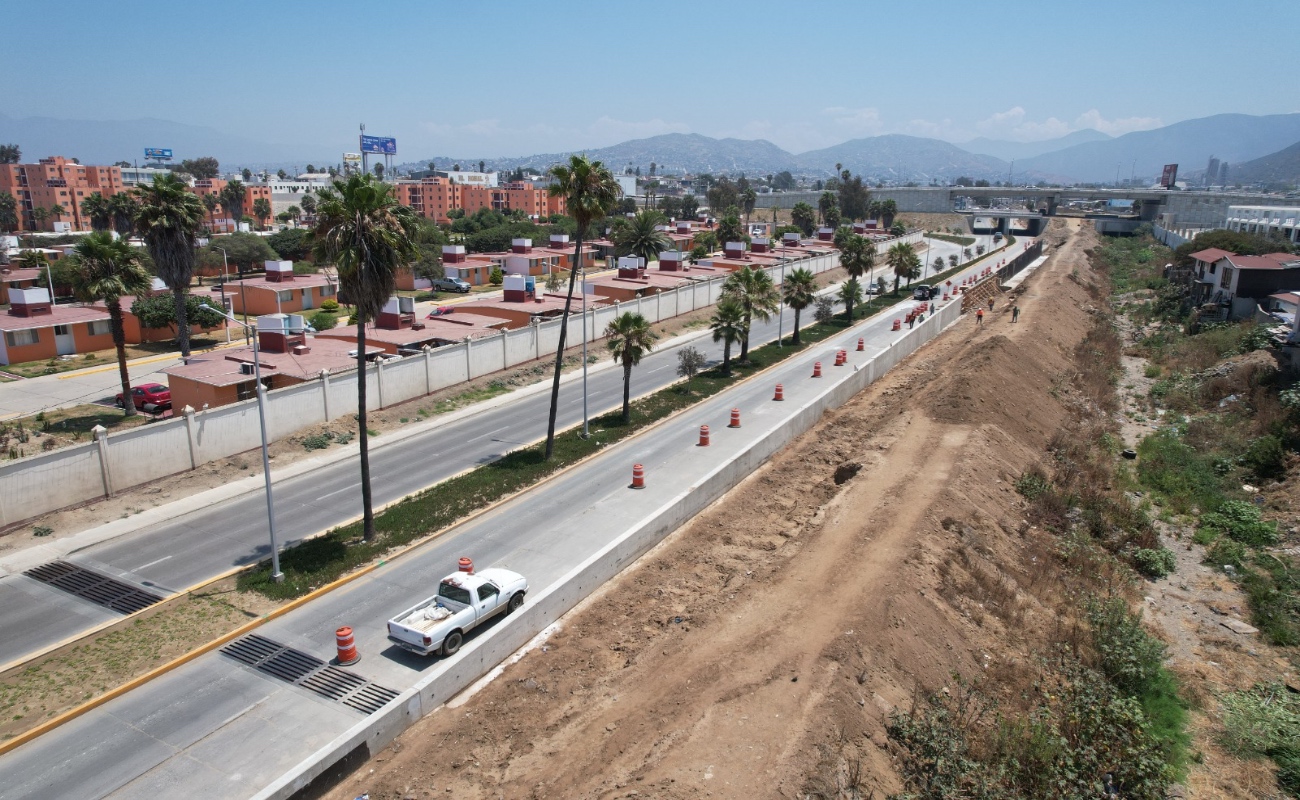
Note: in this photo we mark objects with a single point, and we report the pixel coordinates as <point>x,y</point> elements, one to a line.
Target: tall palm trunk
<point>119,342</point>
<point>363,436</point>
<point>627,390</point>
<point>182,323</point>
<point>795,340</point>
<point>559,351</point>
<point>744,340</point>
<point>848,307</point>
<point>726,357</point>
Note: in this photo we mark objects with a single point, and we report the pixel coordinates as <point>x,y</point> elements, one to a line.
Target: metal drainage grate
<point>94,587</point>
<point>309,672</point>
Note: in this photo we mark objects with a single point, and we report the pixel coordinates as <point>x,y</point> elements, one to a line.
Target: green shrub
<point>1240,521</point>
<point>1266,457</point>
<point>1130,657</point>
<point>1032,484</point>
<point>323,320</point>
<point>319,441</point>
<point>1226,552</point>
<point>495,277</point>
<point>329,304</point>
<point>1183,474</point>
<point>1265,721</point>
<point>1154,563</point>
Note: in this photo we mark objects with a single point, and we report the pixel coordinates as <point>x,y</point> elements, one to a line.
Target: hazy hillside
<point>898,157</point>
<point>1231,137</point>
<point>1279,169</point>
<point>1008,151</point>
<point>104,142</point>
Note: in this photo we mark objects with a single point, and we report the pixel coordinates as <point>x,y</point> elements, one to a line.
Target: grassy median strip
<point>323,559</point>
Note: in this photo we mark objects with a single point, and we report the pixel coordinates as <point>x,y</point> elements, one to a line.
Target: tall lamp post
<point>276,574</point>
<point>578,257</point>
<point>225,268</point>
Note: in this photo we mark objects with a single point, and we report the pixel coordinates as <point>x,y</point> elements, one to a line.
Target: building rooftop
<point>222,368</point>
<point>10,275</point>
<point>298,281</point>
<point>440,329</point>
<point>59,315</point>
<point>664,279</point>
<point>1211,255</point>
<point>549,304</point>
<point>1267,261</point>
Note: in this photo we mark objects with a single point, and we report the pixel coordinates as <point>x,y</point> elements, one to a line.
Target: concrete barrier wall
<point>545,607</point>
<point>171,446</point>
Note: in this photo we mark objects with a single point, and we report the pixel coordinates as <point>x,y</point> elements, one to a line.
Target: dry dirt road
<point>758,651</point>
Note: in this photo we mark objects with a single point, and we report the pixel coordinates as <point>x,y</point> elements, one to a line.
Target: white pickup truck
<point>464,601</point>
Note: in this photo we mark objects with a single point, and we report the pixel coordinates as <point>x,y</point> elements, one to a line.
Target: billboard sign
<point>160,153</point>
<point>379,144</point>
<point>1169,176</point>
<point>349,158</point>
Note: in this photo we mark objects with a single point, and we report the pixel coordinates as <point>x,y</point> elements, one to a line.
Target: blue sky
<point>484,78</point>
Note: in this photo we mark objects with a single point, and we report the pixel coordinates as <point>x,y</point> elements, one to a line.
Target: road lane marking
<point>489,433</point>
<point>339,491</point>
<point>151,563</point>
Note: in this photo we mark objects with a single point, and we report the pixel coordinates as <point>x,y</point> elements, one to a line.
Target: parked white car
<point>464,601</point>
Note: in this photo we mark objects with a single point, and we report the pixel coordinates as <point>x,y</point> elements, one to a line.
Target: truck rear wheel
<point>452,643</point>
<point>515,602</point>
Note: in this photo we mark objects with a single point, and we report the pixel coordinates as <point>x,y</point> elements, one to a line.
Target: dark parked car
<point>149,394</point>
<point>925,292</point>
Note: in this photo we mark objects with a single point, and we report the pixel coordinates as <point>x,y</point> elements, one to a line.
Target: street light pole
<point>585,433</point>
<point>276,574</point>
<point>225,268</point>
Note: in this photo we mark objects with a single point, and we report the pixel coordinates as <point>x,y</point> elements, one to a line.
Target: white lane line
<point>151,563</point>
<point>489,433</point>
<point>339,491</point>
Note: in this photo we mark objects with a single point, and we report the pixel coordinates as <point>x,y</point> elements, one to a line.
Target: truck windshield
<point>452,592</point>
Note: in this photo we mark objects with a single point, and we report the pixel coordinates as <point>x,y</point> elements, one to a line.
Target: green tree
<point>979,249</point>
<point>706,239</point>
<point>938,264</point>
<point>159,311</point>
<point>58,211</point>
<point>262,211</point>
<point>590,193</point>
<point>210,204</point>
<point>294,212</point>
<point>308,205</point>
<point>825,204</point>
<point>638,236</point>
<point>953,260</point>
<point>783,181</point>
<point>629,337</point>
<point>202,168</point>
<point>690,206</point>
<point>40,214</point>
<point>805,217</point>
<point>799,291</point>
<point>110,270</point>
<point>723,195</point>
<point>124,206</point>
<point>232,200</point>
<point>858,257</point>
<point>898,229</point>
<point>850,293</point>
<point>169,217</point>
<point>8,212</point>
<point>757,295</point>
<point>247,173</point>
<point>728,326</point>
<point>730,230</point>
<point>10,154</point>
<point>367,235</point>
<point>854,199</point>
<point>379,170</point>
<point>95,207</point>
<point>888,210</point>
<point>833,217</point>
<point>689,362</point>
<point>245,252</point>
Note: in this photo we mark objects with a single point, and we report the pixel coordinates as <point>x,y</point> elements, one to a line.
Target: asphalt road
<point>208,542</point>
<point>217,728</point>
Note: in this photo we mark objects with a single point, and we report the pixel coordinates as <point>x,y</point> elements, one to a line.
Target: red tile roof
<point>1212,254</point>
<point>440,329</point>
<point>59,315</point>
<point>1269,261</point>
<point>222,367</point>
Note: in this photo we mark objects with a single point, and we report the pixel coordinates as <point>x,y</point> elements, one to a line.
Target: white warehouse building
<point>1265,220</point>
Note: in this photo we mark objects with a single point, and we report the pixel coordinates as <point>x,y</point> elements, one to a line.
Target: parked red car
<point>153,393</point>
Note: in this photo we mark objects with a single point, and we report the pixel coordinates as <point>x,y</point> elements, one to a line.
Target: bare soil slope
<point>758,652</point>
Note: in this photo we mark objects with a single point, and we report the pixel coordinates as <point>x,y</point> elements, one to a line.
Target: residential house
<point>521,303</point>
<point>280,291</point>
<point>15,278</point>
<point>398,331</point>
<point>37,330</point>
<point>1239,284</point>
<point>287,357</point>
<point>634,280</point>
<point>476,269</point>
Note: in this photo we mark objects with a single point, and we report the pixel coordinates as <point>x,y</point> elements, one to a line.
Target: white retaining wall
<point>42,483</point>
<point>487,650</point>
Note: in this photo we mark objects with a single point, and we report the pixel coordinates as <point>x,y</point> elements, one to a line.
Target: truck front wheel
<point>515,603</point>
<point>452,643</point>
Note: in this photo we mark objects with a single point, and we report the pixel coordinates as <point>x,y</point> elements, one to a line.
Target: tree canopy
<point>201,168</point>
<point>245,252</point>
<point>159,311</point>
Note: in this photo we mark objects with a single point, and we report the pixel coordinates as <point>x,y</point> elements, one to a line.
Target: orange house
<point>35,330</point>
<point>519,306</point>
<point>399,331</point>
<point>12,278</point>
<point>280,291</point>
<point>474,270</point>
<point>634,280</point>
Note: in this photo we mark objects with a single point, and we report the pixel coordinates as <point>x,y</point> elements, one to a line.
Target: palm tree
<point>638,236</point>
<point>367,235</point>
<point>110,270</point>
<point>728,326</point>
<point>8,212</point>
<point>590,193</point>
<point>748,199</point>
<point>308,205</point>
<point>905,263</point>
<point>757,295</point>
<point>730,230</point>
<point>799,291</point>
<point>628,337</point>
<point>170,217</point>
<point>123,207</point>
<point>232,199</point>
<point>40,214</point>
<point>804,217</point>
<point>858,257</point>
<point>850,293</point>
<point>211,202</point>
<point>888,210</point>
<point>262,210</point>
<point>58,211</point>
<point>294,212</point>
<point>95,207</point>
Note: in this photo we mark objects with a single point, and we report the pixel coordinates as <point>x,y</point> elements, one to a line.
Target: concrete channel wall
<point>45,482</point>
<point>544,608</point>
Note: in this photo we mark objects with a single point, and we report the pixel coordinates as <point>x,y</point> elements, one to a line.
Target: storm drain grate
<point>309,672</point>
<point>92,586</point>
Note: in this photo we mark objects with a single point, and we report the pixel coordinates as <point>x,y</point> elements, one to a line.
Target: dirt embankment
<point>759,651</point>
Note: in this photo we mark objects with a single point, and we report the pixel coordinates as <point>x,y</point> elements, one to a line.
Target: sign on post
<point>1169,176</point>
<point>383,145</point>
<point>160,153</point>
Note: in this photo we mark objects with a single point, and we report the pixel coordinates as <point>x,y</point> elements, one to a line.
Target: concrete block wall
<point>484,652</point>
<point>175,445</point>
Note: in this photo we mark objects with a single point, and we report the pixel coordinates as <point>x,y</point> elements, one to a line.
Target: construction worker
<point>990,305</point>
<point>979,316</point>
<point>1015,313</point>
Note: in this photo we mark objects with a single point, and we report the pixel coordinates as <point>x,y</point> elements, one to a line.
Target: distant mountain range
<point>1010,151</point>
<point>1083,156</point>
<point>1281,169</point>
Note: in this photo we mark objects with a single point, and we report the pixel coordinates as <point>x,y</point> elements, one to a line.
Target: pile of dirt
<point>761,648</point>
